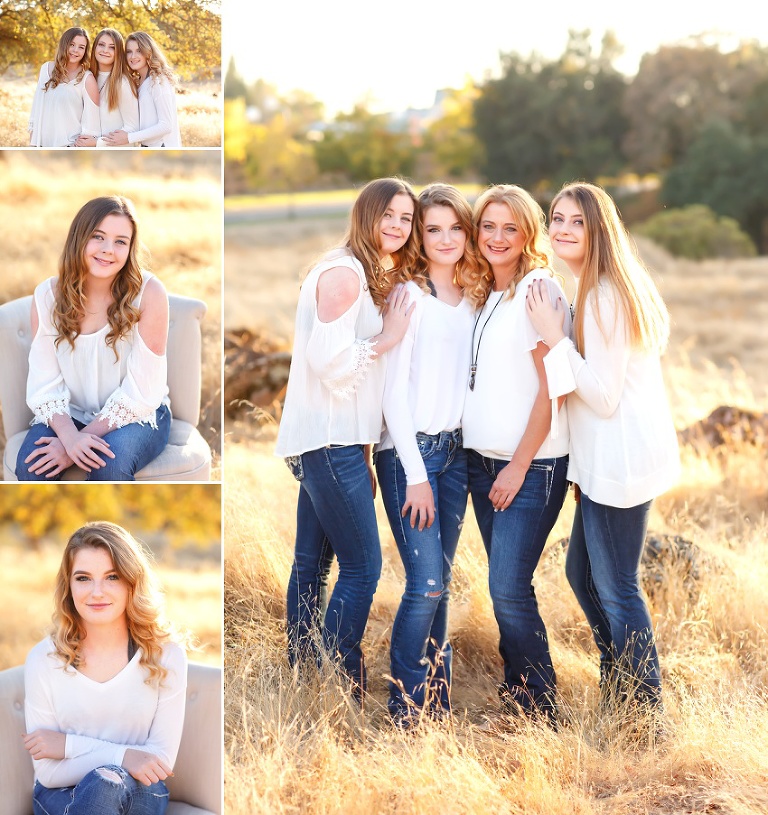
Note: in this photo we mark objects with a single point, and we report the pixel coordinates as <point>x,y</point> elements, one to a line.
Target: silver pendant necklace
<point>473,366</point>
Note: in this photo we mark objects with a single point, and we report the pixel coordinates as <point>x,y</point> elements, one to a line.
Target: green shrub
<point>696,232</point>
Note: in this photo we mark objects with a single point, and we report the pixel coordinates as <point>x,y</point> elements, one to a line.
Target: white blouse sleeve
<point>142,390</point>
<point>598,377</point>
<point>129,107</point>
<point>90,122</point>
<point>164,98</point>
<point>396,404</point>
<point>37,105</point>
<point>339,358</point>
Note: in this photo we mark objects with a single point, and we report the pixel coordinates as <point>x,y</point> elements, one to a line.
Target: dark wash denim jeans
<point>514,540</point>
<point>134,446</point>
<point>602,566</point>
<point>420,652</point>
<point>335,516</point>
<point>108,790</point>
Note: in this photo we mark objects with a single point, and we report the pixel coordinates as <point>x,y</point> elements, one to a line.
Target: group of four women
<point>118,93</point>
<point>436,344</point>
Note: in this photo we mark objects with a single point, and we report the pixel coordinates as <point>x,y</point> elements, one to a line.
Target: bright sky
<point>397,54</point>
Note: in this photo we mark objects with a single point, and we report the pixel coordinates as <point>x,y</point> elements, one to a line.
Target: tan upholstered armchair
<point>187,457</point>
<point>196,785</point>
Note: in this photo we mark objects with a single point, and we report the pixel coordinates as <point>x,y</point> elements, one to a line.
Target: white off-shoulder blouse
<point>87,382</point>
<point>336,381</point>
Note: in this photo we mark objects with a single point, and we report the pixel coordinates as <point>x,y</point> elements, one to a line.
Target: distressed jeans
<point>420,652</point>
<point>108,790</point>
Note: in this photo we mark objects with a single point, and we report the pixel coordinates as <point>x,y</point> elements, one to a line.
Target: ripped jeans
<point>108,790</point>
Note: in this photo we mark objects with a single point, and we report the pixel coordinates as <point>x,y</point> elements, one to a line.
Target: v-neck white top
<point>88,382</point>
<point>427,373</point>
<point>126,115</point>
<point>61,114</point>
<point>497,411</point>
<point>103,719</point>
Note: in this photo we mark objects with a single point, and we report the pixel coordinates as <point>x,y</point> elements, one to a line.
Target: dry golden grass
<point>178,202</point>
<point>199,110</point>
<point>304,748</point>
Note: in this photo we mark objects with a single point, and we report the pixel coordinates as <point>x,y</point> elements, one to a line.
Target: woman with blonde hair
<point>118,102</point>
<point>420,462</point>
<point>156,82</point>
<point>349,316</point>
<point>517,441</point>
<point>105,693</point>
<point>623,449</point>
<point>97,383</point>
<point>66,101</point>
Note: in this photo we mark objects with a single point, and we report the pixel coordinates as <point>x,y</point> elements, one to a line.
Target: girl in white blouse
<point>420,462</point>
<point>66,101</point>
<point>105,693</point>
<point>332,417</point>
<point>97,383</point>
<point>158,120</point>
<point>118,102</point>
<point>623,444</point>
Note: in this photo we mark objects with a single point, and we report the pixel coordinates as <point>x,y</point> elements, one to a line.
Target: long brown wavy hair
<point>61,60</point>
<point>70,300</point>
<point>147,626</point>
<point>153,53</point>
<point>362,237</point>
<point>468,267</point>
<point>611,255</point>
<point>118,70</point>
<point>529,219</point>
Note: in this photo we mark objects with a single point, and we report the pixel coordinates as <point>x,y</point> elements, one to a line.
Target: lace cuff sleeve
<point>47,406</point>
<point>363,356</point>
<point>121,410</point>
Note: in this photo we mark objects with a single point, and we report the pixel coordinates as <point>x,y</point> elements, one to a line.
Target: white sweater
<point>158,122</point>
<point>336,381</point>
<point>427,374</point>
<point>497,411</point>
<point>623,443</point>
<point>88,382</point>
<point>103,719</point>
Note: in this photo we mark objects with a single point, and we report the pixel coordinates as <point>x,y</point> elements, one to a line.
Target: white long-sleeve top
<point>103,719</point>
<point>61,114</point>
<point>427,373</point>
<point>87,382</point>
<point>336,381</point>
<point>126,115</point>
<point>497,411</point>
<point>158,122</point>
<point>623,444</point>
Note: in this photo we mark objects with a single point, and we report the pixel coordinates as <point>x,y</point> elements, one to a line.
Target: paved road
<point>311,209</point>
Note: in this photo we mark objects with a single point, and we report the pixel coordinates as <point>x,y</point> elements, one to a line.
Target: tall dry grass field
<point>178,203</point>
<point>199,107</point>
<point>294,747</point>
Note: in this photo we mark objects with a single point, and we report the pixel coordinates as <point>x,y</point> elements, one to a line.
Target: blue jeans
<point>134,446</point>
<point>108,790</point>
<point>335,516</point>
<point>602,566</point>
<point>514,540</point>
<point>420,652</point>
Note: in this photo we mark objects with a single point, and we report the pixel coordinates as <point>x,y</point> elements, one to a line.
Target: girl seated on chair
<point>97,383</point>
<point>105,693</point>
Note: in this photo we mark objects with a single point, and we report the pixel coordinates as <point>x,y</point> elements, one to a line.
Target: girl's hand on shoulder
<point>421,503</point>
<point>396,319</point>
<point>85,450</point>
<point>50,457</point>
<point>45,744</point>
<point>146,768</point>
<point>546,319</point>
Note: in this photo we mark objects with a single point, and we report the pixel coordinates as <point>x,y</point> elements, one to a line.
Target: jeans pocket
<point>546,468</point>
<point>427,444</point>
<point>296,467</point>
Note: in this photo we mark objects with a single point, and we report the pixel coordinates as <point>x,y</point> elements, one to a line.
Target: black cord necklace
<point>473,366</point>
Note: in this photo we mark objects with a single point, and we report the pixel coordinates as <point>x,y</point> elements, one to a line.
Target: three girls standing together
<point>435,344</point>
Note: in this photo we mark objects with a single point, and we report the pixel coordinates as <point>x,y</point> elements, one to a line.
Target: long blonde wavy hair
<point>61,60</point>
<point>362,239</point>
<point>153,53</point>
<point>118,70</point>
<point>529,219</point>
<point>468,268</point>
<point>147,626</point>
<point>611,256</point>
<point>70,299</point>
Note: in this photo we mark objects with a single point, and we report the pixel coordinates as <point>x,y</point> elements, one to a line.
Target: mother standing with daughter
<point>345,325</point>
<point>623,445</point>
